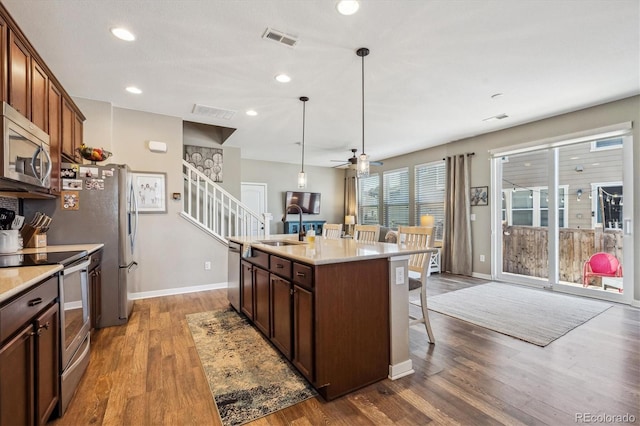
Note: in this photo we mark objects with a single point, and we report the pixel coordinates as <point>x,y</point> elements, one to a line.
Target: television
<point>309,202</point>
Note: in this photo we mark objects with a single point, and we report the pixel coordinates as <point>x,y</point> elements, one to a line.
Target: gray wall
<point>281,177</point>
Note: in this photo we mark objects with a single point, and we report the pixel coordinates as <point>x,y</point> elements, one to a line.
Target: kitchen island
<point>336,308</point>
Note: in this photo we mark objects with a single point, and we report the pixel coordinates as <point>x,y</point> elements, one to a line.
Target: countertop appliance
<point>233,275</point>
<point>106,212</point>
<point>26,162</point>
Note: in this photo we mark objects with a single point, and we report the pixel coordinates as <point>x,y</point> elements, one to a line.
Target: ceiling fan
<point>354,160</point>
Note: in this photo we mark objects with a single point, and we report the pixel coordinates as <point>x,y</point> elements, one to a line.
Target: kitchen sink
<point>278,243</point>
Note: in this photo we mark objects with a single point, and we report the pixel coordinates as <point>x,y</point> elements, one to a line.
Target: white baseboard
<point>178,290</point>
<point>483,276</point>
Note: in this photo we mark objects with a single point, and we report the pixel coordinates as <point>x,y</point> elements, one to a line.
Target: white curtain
<point>457,253</point>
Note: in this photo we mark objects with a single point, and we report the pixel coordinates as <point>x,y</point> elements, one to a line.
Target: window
<point>530,206</point>
<point>395,187</point>
<point>601,145</point>
<point>608,201</point>
<point>429,194</point>
<point>368,199</point>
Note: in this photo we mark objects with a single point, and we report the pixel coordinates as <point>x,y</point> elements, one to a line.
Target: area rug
<point>248,378</point>
<point>533,315</point>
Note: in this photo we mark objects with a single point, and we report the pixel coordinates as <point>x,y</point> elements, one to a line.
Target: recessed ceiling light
<point>348,7</point>
<point>123,34</point>
<point>283,78</point>
<point>252,113</point>
<point>134,90</point>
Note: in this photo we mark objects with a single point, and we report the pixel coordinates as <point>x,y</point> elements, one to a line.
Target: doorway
<point>556,204</point>
<point>254,196</point>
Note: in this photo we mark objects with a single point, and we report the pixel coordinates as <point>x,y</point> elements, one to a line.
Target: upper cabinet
<point>28,85</point>
<point>19,75</point>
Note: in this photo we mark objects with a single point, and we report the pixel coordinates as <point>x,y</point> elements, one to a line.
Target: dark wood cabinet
<point>246,289</point>
<point>39,96</point>
<point>67,125</point>
<point>17,379</point>
<point>303,348</point>
<point>55,116</point>
<point>78,135</point>
<point>47,370</point>
<point>281,292</point>
<point>29,356</point>
<point>19,75</point>
<point>261,294</point>
<point>95,290</point>
<point>4,83</point>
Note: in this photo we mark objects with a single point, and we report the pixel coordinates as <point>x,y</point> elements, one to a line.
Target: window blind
<point>429,194</point>
<point>395,187</point>
<point>368,199</point>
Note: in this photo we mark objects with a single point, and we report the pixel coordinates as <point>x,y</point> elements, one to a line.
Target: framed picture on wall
<point>151,191</point>
<point>479,195</point>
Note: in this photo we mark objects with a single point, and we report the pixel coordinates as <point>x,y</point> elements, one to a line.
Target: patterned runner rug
<point>248,378</point>
<point>533,315</point>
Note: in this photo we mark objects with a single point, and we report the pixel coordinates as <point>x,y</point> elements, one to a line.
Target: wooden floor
<point>148,373</point>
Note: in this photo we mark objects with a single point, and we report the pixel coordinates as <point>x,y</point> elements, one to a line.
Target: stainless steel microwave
<point>26,155</point>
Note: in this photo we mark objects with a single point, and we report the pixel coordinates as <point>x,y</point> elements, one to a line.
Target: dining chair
<point>332,231</point>
<point>419,263</point>
<point>366,233</point>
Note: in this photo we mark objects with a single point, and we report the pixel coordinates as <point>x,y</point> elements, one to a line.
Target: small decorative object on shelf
<point>93,154</point>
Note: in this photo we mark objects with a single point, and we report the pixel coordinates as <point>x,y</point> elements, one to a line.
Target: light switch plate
<point>399,275</point>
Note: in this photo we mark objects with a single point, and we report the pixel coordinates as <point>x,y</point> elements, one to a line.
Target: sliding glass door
<point>564,212</point>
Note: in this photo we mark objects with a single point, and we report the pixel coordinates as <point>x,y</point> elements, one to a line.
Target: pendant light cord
<point>363,103</point>
<point>304,113</point>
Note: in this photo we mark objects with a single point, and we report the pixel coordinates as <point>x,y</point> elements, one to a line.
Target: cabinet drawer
<point>280,266</point>
<point>303,275</point>
<point>259,258</point>
<point>23,309</point>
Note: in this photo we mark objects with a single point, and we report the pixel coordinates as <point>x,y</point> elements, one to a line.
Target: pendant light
<point>363,159</point>
<point>302,177</point>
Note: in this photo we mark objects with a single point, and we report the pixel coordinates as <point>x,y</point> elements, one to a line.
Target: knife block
<point>37,240</point>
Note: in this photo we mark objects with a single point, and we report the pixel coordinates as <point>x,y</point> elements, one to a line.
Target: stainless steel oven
<point>75,326</point>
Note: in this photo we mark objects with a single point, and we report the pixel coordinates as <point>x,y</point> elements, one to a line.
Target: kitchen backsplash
<point>9,203</point>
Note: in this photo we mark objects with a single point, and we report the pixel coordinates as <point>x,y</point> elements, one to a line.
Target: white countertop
<point>16,280</point>
<point>326,251</point>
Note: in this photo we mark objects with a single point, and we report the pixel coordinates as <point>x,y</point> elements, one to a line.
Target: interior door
<point>254,196</point>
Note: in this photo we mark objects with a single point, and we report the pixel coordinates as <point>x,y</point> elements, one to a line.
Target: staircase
<point>215,211</point>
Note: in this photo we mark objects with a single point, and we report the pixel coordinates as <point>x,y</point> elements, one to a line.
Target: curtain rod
<point>469,154</point>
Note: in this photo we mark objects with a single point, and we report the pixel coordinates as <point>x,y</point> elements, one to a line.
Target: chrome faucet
<point>300,231</point>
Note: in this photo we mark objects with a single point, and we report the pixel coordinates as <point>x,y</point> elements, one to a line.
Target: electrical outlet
<point>482,258</point>
<point>399,275</point>
<point>207,266</point>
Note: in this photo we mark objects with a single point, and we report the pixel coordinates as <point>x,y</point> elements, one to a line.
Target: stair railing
<point>214,210</point>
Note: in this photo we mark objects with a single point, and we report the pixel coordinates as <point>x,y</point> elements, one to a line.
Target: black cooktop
<point>35,259</point>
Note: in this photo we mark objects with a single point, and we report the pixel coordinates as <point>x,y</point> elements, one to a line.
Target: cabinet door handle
<point>46,325</point>
<point>279,266</point>
<point>300,274</point>
<point>35,302</point>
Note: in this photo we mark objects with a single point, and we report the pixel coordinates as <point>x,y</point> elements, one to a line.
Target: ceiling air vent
<point>280,37</point>
<point>212,112</point>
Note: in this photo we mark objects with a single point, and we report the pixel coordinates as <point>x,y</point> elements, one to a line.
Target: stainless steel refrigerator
<point>98,205</point>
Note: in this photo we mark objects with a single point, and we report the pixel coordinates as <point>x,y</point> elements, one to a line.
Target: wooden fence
<point>525,250</point>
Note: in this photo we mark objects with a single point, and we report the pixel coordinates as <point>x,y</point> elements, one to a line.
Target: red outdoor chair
<point>601,265</point>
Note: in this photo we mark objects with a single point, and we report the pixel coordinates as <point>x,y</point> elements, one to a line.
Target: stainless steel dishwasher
<point>233,275</point>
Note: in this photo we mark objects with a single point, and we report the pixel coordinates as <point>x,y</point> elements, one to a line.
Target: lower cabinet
<point>29,357</point>
<point>303,331</point>
<point>261,294</point>
<point>246,289</point>
<point>281,315</point>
